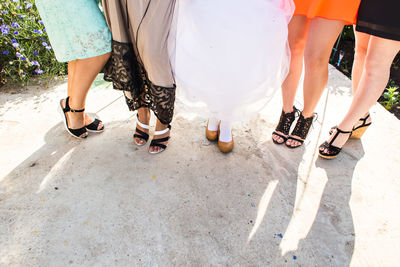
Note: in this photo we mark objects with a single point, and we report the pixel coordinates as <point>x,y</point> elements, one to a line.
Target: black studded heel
<point>332,151</point>
<point>301,130</point>
<point>285,122</point>
<point>80,133</point>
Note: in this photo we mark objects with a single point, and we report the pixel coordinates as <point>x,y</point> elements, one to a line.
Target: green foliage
<point>391,96</point>
<point>25,50</point>
<point>348,33</point>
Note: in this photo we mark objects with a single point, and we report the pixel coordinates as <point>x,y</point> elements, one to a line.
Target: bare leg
<point>362,41</point>
<point>71,73</point>
<point>380,55</point>
<point>83,73</point>
<point>321,38</point>
<point>298,28</point>
<point>361,48</point>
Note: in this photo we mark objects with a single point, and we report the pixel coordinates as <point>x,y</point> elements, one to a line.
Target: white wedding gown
<point>231,55</point>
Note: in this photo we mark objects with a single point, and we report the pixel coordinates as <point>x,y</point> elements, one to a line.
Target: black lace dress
<point>139,63</point>
<point>380,18</point>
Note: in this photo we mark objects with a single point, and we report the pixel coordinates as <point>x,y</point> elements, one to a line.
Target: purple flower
<point>15,25</point>
<point>18,55</point>
<point>19,7</point>
<point>38,71</point>
<point>15,1</point>
<point>5,52</point>
<point>48,47</point>
<point>35,53</point>
<point>16,33</point>
<point>28,5</point>
<point>23,58</point>
<point>43,39</point>
<point>41,22</point>
<point>22,16</point>
<point>4,29</point>
<point>13,41</point>
<point>37,31</point>
<point>44,44</point>
<point>4,12</point>
<point>15,44</point>
<point>35,63</point>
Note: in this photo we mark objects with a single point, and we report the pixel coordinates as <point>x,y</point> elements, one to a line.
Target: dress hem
<point>377,33</point>
<point>84,56</point>
<point>347,22</point>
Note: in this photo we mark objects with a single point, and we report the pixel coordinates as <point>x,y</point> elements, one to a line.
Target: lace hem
<point>129,75</point>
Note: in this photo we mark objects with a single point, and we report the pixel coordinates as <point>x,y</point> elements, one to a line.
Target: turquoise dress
<point>76,28</point>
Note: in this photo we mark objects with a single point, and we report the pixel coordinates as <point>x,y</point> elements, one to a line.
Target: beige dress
<point>140,64</point>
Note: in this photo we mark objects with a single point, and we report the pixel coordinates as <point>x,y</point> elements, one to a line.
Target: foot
<point>331,148</point>
<point>75,120</point>
<point>154,149</point>
<point>278,139</point>
<point>300,132</point>
<point>89,120</point>
<point>144,118</point>
<point>338,142</point>
<point>212,129</point>
<point>294,143</point>
<point>225,138</point>
<point>280,135</point>
<point>226,147</point>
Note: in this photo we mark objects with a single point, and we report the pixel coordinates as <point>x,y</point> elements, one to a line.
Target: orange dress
<point>345,10</point>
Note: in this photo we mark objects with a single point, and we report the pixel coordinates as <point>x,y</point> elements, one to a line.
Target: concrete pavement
<point>105,202</point>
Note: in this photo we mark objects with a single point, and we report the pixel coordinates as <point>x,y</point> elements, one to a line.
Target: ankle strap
<point>366,118</point>
<point>69,109</point>
<point>163,131</point>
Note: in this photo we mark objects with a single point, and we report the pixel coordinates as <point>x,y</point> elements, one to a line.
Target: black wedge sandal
<point>139,133</point>
<point>333,151</point>
<point>80,133</point>
<point>157,142</point>
<point>301,130</point>
<point>358,131</point>
<point>285,122</point>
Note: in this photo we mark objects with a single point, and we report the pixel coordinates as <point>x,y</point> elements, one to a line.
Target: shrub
<point>390,97</point>
<point>25,50</point>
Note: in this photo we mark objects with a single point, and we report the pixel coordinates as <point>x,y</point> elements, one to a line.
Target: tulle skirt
<point>231,55</point>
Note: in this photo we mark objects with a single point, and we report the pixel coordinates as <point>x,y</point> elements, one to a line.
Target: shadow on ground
<point>104,200</point>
